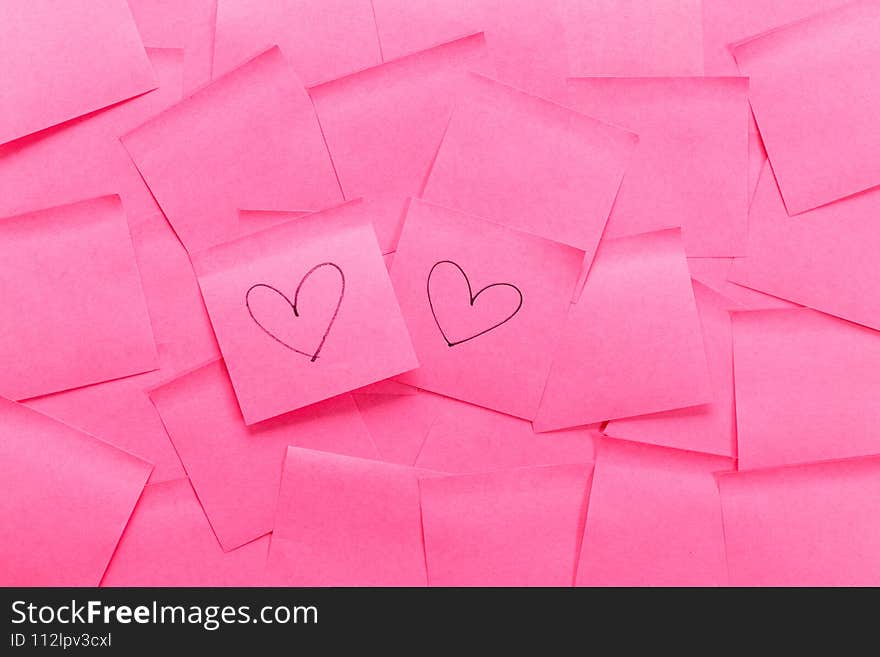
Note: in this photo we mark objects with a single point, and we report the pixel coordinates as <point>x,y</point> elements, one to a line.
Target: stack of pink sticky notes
<point>439,293</point>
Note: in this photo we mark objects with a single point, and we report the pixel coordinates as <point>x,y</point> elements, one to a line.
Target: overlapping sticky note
<point>80,56</point>
<point>325,39</point>
<point>482,302</point>
<point>518,527</point>
<point>66,498</point>
<point>346,521</point>
<point>248,140</point>
<point>709,427</point>
<point>73,309</point>
<point>806,387</point>
<point>689,167</point>
<point>524,37</point>
<point>235,469</point>
<point>782,258</point>
<point>808,525</point>
<point>384,124</point>
<point>437,293</point>
<point>83,158</point>
<point>184,24</point>
<point>632,344</point>
<point>168,542</point>
<point>653,519</point>
<point>815,107</point>
<point>530,164</point>
<point>311,315</point>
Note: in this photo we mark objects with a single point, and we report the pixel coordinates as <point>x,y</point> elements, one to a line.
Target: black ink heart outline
<point>473,298</point>
<point>314,356</point>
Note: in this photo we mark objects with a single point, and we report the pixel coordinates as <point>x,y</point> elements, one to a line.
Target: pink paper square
<point>248,140</point>
<point>304,311</point>
<point>466,439</point>
<point>529,164</point>
<point>324,39</point>
<point>184,24</point>
<point>632,345</point>
<point>383,126</point>
<point>805,387</point>
<point>346,521</point>
<point>79,56</point>
<point>73,309</point>
<point>807,525</point>
<point>235,468</point>
<point>811,85</point>
<point>713,273</point>
<point>654,519</point>
<point>519,527</point>
<point>726,22</point>
<point>690,166</point>
<point>484,304</point>
<point>66,499</point>
<point>628,38</point>
<point>118,412</point>
<point>83,158</point>
<point>708,428</point>
<point>168,542</point>
<point>525,38</point>
<point>784,258</point>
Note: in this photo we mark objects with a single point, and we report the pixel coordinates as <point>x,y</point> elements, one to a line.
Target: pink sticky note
<point>519,527</point>
<point>466,439</point>
<point>73,309</point>
<point>66,497</point>
<point>383,126</point>
<point>248,140</point>
<point>346,521</point>
<point>654,519</point>
<point>120,413</point>
<point>83,158</point>
<point>527,163</point>
<point>484,304</point>
<point>808,92</point>
<point>168,542</point>
<point>234,468</point>
<point>690,166</point>
<point>807,525</point>
<point>713,272</point>
<point>784,258</point>
<point>324,39</point>
<point>805,387</point>
<point>81,55</point>
<point>632,345</point>
<point>709,427</point>
<point>400,423</point>
<point>304,311</point>
<point>526,39</point>
<point>726,22</point>
<point>184,24</point>
<point>628,38</point>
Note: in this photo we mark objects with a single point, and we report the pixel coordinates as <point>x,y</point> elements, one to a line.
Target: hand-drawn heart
<point>472,298</point>
<point>313,355</point>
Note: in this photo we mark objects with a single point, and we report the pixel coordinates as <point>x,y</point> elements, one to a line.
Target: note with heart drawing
<point>483,303</point>
<point>304,310</point>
